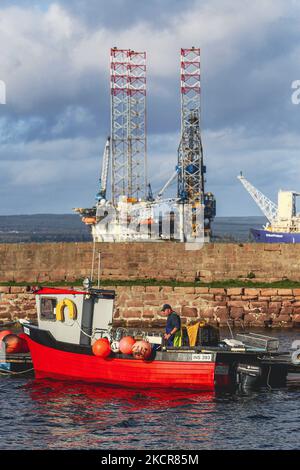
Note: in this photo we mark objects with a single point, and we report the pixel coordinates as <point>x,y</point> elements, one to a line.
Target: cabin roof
<point>57,290</point>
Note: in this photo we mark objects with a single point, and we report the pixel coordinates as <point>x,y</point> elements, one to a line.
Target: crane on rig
<point>104,172</point>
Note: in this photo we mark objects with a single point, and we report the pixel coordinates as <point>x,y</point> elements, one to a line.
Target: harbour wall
<point>44,262</point>
<point>139,306</point>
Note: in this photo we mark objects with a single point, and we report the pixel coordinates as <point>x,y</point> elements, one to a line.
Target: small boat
<point>70,321</point>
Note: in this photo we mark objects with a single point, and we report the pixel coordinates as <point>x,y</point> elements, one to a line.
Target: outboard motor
<point>248,375</point>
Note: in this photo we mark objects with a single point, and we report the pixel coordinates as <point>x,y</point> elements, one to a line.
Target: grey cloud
<point>57,116</point>
<point>122,14</point>
<point>49,177</point>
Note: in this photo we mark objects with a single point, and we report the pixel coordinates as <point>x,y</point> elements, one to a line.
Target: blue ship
<point>266,236</point>
<point>283,220</point>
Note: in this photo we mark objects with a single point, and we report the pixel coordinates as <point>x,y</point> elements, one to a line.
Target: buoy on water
<point>13,344</point>
<point>101,348</point>
<point>126,344</point>
<point>5,333</point>
<point>141,350</point>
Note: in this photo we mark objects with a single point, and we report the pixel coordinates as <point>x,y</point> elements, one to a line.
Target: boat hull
<point>265,236</point>
<point>51,362</point>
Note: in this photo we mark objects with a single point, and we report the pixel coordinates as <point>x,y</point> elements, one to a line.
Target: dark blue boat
<point>265,236</point>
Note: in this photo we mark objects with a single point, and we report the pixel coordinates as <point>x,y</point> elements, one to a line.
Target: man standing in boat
<point>173,326</point>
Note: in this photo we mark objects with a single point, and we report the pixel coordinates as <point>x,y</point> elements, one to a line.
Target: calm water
<point>53,415</point>
<point>236,228</point>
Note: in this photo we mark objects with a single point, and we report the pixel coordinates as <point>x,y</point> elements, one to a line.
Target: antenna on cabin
<point>87,283</point>
<point>93,260</point>
<point>99,267</point>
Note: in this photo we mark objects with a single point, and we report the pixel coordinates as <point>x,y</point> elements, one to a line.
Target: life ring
<point>60,308</point>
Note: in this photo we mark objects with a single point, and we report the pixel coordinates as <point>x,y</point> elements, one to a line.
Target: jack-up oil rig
<point>128,191</point>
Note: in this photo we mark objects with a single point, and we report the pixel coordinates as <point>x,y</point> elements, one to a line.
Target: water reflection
<point>109,417</point>
<point>63,415</point>
<point>45,389</point>
<point>49,414</point>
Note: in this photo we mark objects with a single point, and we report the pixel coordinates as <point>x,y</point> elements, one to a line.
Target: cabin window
<point>48,307</point>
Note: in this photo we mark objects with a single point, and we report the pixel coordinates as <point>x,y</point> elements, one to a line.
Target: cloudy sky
<point>55,63</point>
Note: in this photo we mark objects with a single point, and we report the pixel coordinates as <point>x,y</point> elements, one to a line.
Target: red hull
<point>54,363</point>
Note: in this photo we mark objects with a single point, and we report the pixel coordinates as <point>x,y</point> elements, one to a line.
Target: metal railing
<point>256,341</point>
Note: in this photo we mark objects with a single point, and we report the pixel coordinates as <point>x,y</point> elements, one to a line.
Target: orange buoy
<point>13,344</point>
<point>141,350</point>
<point>125,344</point>
<point>5,333</point>
<point>24,346</point>
<point>101,348</point>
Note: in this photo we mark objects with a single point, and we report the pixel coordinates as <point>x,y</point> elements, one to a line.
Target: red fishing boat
<point>69,322</point>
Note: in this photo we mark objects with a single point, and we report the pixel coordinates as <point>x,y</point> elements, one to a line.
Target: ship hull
<point>51,361</point>
<point>265,236</point>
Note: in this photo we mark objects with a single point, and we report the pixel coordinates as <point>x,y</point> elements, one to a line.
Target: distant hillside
<point>69,228</point>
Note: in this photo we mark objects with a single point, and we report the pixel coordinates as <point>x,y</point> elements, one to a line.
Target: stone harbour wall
<point>55,262</point>
<point>139,306</point>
